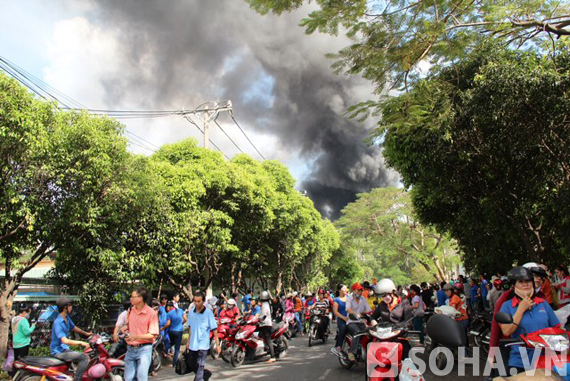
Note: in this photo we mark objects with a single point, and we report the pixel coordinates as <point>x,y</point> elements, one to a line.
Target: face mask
<point>27,316</point>
<point>523,294</point>
<point>388,299</point>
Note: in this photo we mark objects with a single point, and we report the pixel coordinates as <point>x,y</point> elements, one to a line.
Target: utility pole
<point>207,115</point>
<point>207,128</point>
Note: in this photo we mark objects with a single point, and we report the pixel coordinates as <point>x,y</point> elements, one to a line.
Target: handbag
<point>182,367</point>
<point>9,361</point>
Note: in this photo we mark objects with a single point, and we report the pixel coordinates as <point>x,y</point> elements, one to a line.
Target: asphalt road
<point>301,364</point>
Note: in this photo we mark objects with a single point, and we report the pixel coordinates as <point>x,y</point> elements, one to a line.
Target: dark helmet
<point>539,271</point>
<point>62,302</point>
<point>520,273</point>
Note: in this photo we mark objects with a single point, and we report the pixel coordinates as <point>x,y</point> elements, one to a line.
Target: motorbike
<point>363,337</point>
<point>480,330</point>
<point>101,366</point>
<point>227,328</point>
<point>248,345</point>
<point>553,339</point>
<point>293,329</point>
<point>119,351</point>
<point>318,326</point>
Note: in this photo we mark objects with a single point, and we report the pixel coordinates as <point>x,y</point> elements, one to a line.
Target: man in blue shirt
<point>246,301</point>
<point>484,290</point>
<point>441,295</point>
<point>475,295</point>
<point>200,322</point>
<point>255,309</point>
<point>162,319</point>
<point>60,341</point>
<point>175,322</point>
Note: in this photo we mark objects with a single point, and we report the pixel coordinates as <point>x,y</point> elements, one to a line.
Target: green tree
<point>392,37</point>
<point>382,229</point>
<point>484,144</point>
<point>60,176</point>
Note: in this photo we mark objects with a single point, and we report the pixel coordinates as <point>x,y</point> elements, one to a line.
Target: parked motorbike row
<point>101,365</point>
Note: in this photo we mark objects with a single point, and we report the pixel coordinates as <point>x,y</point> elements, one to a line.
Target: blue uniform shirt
<point>59,330</point>
<point>441,298</point>
<point>484,290</point>
<point>175,317</point>
<point>201,323</point>
<point>539,317</point>
<point>162,316</point>
<point>474,295</point>
<point>246,302</point>
<point>255,310</point>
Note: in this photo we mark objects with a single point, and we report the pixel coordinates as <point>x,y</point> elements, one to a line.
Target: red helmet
<point>497,283</point>
<point>321,291</point>
<point>357,286</point>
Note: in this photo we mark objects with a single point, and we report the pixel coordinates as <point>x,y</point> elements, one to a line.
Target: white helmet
<point>231,302</point>
<point>385,286</point>
<point>295,293</point>
<point>212,301</point>
<point>530,265</point>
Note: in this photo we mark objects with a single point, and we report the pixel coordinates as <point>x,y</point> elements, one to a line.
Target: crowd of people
<point>517,293</point>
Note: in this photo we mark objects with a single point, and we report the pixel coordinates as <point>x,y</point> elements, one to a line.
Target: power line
<point>231,140</point>
<point>45,91</point>
<point>210,140</point>
<point>244,134</point>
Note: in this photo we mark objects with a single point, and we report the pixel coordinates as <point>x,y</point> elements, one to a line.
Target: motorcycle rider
<point>392,308</point>
<point>231,311</point>
<point>265,324</point>
<point>355,305</point>
<point>523,300</point>
<point>323,304</point>
<point>60,341</point>
<point>456,302</point>
<point>542,284</point>
<point>298,309</point>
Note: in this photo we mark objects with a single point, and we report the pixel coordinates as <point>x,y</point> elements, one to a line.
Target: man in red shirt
<point>142,325</point>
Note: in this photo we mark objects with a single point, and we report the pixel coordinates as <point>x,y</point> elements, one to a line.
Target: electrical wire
<point>228,136</point>
<point>210,140</point>
<point>47,92</point>
<point>244,134</point>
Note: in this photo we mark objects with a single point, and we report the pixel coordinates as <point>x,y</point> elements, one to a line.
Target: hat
<point>448,287</point>
<point>232,301</point>
<point>289,295</point>
<point>356,286</point>
<point>295,293</point>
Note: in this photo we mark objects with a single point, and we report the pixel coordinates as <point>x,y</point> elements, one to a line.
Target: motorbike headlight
<point>536,344</point>
<point>240,335</point>
<point>558,343</point>
<point>384,333</point>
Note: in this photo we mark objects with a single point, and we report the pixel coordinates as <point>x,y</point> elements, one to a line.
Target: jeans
<point>80,359</point>
<point>353,329</point>
<point>341,332</point>
<point>176,340</point>
<point>166,340</point>
<point>299,322</point>
<point>197,361</point>
<point>137,362</point>
<point>419,326</point>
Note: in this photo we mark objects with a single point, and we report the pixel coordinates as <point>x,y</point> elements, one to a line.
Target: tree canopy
<point>382,230</point>
<point>484,145</point>
<point>392,38</point>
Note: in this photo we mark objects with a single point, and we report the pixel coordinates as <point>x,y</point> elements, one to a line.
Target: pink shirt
<point>142,322</point>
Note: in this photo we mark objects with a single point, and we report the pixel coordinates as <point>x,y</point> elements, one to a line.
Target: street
<point>301,364</point>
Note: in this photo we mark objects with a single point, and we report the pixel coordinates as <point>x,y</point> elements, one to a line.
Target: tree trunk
<point>279,285</point>
<point>6,299</point>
